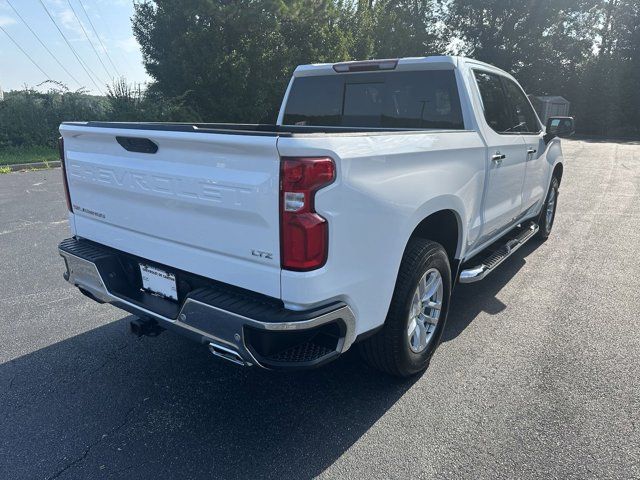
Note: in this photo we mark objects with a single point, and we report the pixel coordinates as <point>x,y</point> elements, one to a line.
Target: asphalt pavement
<point>538,375</point>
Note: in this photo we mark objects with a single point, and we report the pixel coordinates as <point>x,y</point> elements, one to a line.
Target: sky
<point>112,22</point>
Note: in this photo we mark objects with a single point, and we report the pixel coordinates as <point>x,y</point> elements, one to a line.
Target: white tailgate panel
<point>203,203</point>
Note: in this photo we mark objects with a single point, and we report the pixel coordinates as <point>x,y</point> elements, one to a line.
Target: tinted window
<point>522,111</point>
<point>426,99</point>
<point>494,102</point>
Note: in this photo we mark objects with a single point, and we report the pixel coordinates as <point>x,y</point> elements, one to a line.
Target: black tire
<point>543,219</point>
<point>388,349</point>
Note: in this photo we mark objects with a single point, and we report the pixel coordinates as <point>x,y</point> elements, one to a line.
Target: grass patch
<point>15,155</point>
<point>4,170</point>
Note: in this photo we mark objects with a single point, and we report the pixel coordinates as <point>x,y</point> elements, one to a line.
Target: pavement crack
<point>98,441</point>
<point>112,355</point>
<point>13,377</point>
<point>5,394</point>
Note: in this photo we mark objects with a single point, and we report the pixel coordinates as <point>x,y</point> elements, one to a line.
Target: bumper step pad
<point>239,325</point>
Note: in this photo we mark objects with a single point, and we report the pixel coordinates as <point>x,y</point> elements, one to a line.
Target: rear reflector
<point>367,66</point>
<point>304,235</point>
<point>65,183</point>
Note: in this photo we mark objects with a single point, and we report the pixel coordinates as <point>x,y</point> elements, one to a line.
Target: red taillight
<point>64,174</point>
<point>304,235</point>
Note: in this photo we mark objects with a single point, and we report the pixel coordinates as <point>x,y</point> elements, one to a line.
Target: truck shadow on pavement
<point>469,300</point>
<point>104,404</point>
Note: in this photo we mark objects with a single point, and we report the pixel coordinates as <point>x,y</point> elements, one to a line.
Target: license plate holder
<point>158,282</point>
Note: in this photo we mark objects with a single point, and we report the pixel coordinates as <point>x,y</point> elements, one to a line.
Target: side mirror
<point>560,127</point>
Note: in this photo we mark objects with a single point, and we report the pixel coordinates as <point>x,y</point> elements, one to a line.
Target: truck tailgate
<point>206,203</point>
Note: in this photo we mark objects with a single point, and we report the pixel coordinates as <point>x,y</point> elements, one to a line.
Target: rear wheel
<point>548,213</point>
<point>417,313</point>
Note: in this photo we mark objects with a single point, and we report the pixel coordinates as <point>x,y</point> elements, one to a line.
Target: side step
<point>496,257</point>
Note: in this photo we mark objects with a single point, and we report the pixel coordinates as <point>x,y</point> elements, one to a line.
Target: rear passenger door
<point>535,181</point>
<point>507,157</point>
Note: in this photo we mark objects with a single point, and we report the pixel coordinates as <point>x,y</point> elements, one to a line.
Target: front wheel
<point>548,213</point>
<point>417,313</point>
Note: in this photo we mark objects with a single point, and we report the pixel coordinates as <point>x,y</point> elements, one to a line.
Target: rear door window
<point>402,100</point>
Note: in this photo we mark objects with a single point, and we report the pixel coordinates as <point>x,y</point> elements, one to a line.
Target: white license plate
<point>158,281</point>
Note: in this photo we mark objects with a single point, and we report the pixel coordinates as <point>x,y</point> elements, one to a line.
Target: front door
<point>535,183</point>
<point>506,158</point>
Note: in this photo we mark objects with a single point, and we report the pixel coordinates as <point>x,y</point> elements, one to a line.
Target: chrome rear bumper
<point>228,334</point>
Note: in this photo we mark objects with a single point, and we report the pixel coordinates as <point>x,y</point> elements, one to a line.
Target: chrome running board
<point>490,263</point>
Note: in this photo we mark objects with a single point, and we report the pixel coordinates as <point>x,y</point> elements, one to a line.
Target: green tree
<point>231,60</point>
<point>609,97</point>
<point>545,43</point>
<point>394,28</point>
<point>627,58</point>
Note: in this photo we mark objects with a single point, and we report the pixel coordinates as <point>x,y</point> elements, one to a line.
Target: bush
<point>31,118</point>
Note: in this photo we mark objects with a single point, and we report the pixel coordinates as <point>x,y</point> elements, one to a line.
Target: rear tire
<point>417,314</point>
<point>548,213</point>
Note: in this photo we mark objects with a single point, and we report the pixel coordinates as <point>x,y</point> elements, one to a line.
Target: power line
<point>99,39</point>
<point>26,54</point>
<point>86,68</point>
<point>126,62</point>
<point>43,44</point>
<point>88,39</point>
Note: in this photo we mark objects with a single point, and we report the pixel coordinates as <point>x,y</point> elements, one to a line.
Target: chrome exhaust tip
<point>226,353</point>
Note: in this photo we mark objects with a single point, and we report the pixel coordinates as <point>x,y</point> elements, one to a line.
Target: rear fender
<point>437,204</point>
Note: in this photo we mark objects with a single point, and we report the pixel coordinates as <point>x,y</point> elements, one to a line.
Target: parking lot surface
<point>538,375</point>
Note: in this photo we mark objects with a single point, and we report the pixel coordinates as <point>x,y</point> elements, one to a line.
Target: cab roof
<point>397,64</point>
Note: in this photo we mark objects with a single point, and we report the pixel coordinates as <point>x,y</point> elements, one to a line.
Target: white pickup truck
<point>382,184</point>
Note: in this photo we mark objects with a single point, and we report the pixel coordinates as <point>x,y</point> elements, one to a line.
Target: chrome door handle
<point>498,157</point>
<point>531,151</point>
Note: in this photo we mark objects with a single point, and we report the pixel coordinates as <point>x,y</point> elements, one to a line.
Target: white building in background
<point>550,106</point>
<point>1,94</point>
